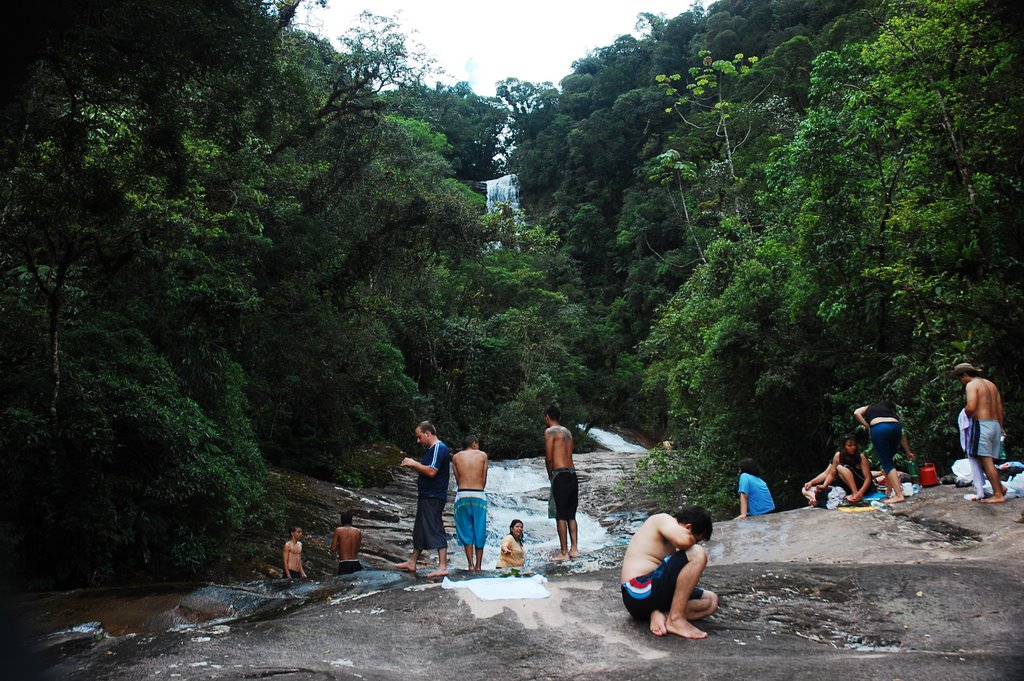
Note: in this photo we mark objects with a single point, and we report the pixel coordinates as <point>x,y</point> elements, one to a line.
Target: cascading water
<point>519,490</point>
<point>614,442</point>
<point>503,190</point>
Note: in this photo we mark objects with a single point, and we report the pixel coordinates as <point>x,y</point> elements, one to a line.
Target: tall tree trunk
<point>54,309</point>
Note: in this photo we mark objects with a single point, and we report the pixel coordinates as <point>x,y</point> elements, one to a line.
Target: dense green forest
<point>228,244</point>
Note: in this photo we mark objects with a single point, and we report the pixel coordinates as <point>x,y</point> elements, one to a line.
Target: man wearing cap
<point>985,408</point>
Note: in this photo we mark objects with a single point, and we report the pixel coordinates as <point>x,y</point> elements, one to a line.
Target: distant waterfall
<point>503,190</point>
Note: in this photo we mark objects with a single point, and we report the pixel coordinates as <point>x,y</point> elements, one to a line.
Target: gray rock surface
<point>931,590</point>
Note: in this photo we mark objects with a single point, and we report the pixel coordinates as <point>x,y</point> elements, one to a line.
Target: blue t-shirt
<point>759,499</point>
<point>437,456</point>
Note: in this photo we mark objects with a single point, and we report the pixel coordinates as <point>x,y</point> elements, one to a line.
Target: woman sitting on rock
<point>849,468</point>
<point>755,498</point>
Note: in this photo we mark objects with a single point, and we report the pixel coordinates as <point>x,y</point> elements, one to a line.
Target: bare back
<point>346,542</point>
<point>983,400</point>
<point>558,447</point>
<point>660,535</point>
<point>470,469</point>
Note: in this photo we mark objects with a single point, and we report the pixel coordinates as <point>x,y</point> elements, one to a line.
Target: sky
<point>532,40</point>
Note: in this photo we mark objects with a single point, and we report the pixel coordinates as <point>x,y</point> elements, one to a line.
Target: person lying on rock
<point>660,571</point>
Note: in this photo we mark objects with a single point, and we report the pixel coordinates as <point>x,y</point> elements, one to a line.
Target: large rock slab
<point>931,590</point>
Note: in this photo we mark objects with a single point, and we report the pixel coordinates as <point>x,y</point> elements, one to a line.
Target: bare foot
<point>994,500</point>
<point>658,623</point>
<point>895,500</point>
<point>683,628</point>
<point>406,566</point>
<point>442,572</point>
<point>560,556</point>
<point>574,553</point>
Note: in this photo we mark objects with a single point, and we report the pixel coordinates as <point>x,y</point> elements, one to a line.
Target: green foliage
<point>472,125</point>
<point>217,252</point>
<point>816,231</point>
<point>140,474</point>
<point>242,237</point>
<point>873,269</point>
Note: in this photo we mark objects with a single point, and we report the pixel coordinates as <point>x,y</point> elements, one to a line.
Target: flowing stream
<point>519,490</point>
<point>516,489</point>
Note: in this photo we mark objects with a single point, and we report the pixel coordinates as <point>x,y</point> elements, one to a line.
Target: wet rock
<point>927,590</point>
<point>776,621</point>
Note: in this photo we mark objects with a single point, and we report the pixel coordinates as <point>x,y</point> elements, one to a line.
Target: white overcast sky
<point>483,43</point>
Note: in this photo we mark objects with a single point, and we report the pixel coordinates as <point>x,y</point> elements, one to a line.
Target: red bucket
<point>928,476</point>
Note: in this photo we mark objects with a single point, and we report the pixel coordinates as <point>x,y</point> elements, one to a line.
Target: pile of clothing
<point>968,472</point>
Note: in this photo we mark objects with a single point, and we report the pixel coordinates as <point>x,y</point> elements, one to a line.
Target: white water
<point>516,489</point>
<point>615,442</point>
<point>505,189</point>
<point>519,489</point>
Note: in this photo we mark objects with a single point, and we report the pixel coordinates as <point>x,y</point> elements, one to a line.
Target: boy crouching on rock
<point>660,572</point>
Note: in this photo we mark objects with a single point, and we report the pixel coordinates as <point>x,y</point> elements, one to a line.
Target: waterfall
<point>520,489</point>
<point>614,441</point>
<point>503,190</point>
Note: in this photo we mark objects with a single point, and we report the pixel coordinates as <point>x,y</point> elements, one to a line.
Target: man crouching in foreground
<point>660,571</point>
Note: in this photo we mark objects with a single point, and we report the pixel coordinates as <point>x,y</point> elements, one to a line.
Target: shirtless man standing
<point>660,570</point>
<point>292,558</point>
<point>345,543</point>
<point>985,405</point>
<point>470,466</point>
<point>565,490</point>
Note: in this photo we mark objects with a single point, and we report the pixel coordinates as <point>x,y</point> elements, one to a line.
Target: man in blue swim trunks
<point>470,466</point>
<point>660,570</point>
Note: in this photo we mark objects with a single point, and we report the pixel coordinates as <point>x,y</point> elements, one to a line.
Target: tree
<point>707,94</point>
<point>112,165</point>
<point>474,126</point>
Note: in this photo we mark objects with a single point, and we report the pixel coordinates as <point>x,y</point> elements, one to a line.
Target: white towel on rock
<point>502,588</point>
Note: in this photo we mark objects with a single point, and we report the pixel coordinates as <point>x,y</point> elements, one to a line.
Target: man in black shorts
<point>660,570</point>
<point>558,445</point>
<point>345,543</point>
